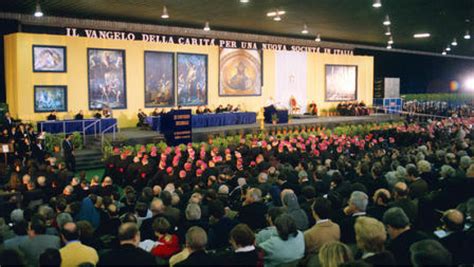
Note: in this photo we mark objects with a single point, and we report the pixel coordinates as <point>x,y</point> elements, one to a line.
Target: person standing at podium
<point>68,153</point>
<point>52,116</point>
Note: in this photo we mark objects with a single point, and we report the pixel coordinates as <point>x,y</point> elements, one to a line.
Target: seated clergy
<point>79,115</point>
<point>52,116</point>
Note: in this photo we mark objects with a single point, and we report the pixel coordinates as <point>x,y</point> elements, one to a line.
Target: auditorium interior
<point>276,133</point>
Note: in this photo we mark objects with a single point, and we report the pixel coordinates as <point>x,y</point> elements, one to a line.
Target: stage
<point>133,136</point>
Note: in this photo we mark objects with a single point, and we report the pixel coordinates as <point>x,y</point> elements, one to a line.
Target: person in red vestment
<point>168,244</point>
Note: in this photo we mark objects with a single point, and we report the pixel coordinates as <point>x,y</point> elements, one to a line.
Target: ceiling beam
<point>53,21</point>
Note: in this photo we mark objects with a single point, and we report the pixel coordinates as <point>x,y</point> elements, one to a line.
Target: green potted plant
<point>274,118</point>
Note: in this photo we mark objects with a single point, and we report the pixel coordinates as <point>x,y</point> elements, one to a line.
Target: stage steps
<point>89,158</point>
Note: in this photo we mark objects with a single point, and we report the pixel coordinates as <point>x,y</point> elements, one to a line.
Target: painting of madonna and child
<point>192,79</point>
<point>107,79</point>
<point>240,72</point>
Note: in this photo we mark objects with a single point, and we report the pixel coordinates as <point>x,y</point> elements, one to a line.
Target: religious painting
<point>192,79</point>
<point>49,58</point>
<point>107,86</point>
<point>50,97</point>
<point>240,72</point>
<point>159,79</point>
<point>341,83</point>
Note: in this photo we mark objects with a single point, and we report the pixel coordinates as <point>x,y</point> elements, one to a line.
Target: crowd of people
<point>395,196</point>
<point>352,109</point>
<point>437,108</point>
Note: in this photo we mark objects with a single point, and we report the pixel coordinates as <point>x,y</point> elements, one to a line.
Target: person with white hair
<point>253,210</point>
<point>356,207</point>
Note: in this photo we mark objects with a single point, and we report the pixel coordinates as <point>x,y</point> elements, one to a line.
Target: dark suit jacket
<point>127,255</point>
<point>384,258</point>
<point>51,117</point>
<point>253,215</point>
<point>347,229</point>
<point>455,244</point>
<point>79,117</point>
<point>418,188</point>
<point>250,258</point>
<point>400,246</point>
<point>197,258</point>
<point>33,248</point>
<point>67,148</point>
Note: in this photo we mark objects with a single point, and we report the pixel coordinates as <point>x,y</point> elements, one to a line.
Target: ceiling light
<point>38,12</point>
<point>305,29</point>
<point>387,21</point>
<point>206,27</point>
<point>448,48</point>
<point>318,38</point>
<point>421,35</point>
<point>244,1</point>
<point>444,53</point>
<point>388,32</point>
<point>390,40</point>
<point>455,42</point>
<point>277,18</point>
<point>276,13</point>
<point>165,14</point>
<point>377,3</point>
<point>389,46</point>
<point>467,36</point>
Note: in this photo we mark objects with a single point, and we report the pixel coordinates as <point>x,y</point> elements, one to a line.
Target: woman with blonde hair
<point>333,254</point>
<point>370,237</point>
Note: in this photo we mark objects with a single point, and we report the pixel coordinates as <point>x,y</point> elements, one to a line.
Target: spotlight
<point>377,3</point>
<point>244,1</point>
<point>388,32</point>
<point>206,26</point>
<point>455,42</point>
<point>389,46</point>
<point>277,18</point>
<point>467,36</point>
<point>390,40</point>
<point>448,48</point>
<point>444,53</point>
<point>318,38</point>
<point>38,12</point>
<point>305,29</point>
<point>469,83</point>
<point>421,35</point>
<point>387,21</point>
<point>165,14</point>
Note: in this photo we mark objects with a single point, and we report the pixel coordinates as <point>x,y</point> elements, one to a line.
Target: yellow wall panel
<point>20,78</point>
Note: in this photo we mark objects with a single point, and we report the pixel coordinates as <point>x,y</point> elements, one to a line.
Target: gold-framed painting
<point>240,72</point>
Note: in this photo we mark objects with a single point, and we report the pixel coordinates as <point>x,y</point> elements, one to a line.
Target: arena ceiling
<point>348,21</point>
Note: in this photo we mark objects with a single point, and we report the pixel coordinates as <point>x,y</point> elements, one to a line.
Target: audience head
<point>128,233</point>
<point>70,232</point>
<point>429,253</point>
<point>193,212</point>
<point>396,221</point>
<point>332,254</point>
<point>161,226</point>
<point>11,257</point>
<point>358,201</point>
<point>286,226</point>
<point>50,257</point>
<point>381,197</point>
<point>321,208</point>
<point>157,206</point>
<point>453,220</point>
<point>241,236</point>
<point>196,238</point>
<point>370,234</point>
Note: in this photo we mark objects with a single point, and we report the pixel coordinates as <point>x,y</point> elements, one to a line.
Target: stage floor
<point>133,136</point>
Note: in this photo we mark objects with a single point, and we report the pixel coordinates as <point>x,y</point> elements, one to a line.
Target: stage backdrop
<point>20,78</point>
<point>290,78</point>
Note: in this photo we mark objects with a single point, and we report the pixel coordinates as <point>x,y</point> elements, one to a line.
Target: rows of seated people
<point>395,197</point>
<point>352,109</point>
